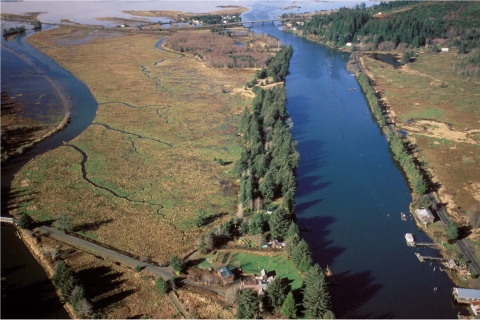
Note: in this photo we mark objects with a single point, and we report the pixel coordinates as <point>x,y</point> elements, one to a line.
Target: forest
<point>400,25</point>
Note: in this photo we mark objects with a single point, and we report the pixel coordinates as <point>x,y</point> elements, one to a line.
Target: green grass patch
<point>430,113</point>
<point>87,234</point>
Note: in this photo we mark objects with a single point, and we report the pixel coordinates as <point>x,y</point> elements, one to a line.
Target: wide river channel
<point>350,191</point>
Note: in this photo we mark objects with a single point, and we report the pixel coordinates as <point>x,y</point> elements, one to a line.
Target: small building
<point>425,216</point>
<point>277,244</point>
<point>452,264</point>
<point>348,44</point>
<point>466,295</point>
<point>226,275</point>
<point>444,49</point>
<point>410,240</point>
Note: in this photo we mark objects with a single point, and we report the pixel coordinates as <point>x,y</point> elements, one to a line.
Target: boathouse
<point>466,295</point>
<point>425,216</point>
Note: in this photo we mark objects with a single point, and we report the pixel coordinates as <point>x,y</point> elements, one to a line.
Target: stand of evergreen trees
<point>72,292</point>
<point>454,20</point>
<point>13,30</point>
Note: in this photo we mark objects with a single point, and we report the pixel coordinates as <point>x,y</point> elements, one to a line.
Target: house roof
<point>225,272</point>
<point>467,293</point>
<point>422,212</point>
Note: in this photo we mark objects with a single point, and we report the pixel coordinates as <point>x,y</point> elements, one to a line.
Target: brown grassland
<point>116,292</point>
<point>440,112</point>
<point>178,15</point>
<point>162,118</point>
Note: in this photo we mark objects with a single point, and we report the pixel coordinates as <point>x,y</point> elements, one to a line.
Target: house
<point>425,216</point>
<point>444,49</point>
<point>226,275</point>
<point>466,295</point>
<point>348,44</point>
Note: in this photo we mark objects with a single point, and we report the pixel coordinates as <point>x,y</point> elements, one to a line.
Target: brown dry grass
<point>440,111</point>
<point>187,109</point>
<point>178,15</point>
<point>202,307</point>
<point>116,292</point>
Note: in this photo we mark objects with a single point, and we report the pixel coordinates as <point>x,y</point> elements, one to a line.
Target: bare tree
<point>240,210</point>
<point>84,308</point>
<point>231,295</point>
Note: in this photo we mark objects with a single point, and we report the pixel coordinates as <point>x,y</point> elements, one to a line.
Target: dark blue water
<point>30,293</point>
<point>351,192</point>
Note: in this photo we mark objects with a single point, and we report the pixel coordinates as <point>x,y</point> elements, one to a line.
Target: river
<point>349,189</point>
<point>351,192</point>
<point>27,283</point>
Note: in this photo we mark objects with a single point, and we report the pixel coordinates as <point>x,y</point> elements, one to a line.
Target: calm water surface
<point>351,192</point>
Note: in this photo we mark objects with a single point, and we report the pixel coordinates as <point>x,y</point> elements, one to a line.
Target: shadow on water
<point>39,306</point>
<point>359,288</point>
<point>324,252</point>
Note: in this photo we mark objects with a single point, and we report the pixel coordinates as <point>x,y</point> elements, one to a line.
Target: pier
<point>6,220</point>
<point>423,258</point>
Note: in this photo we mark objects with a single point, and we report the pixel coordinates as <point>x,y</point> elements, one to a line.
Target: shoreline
<point>63,101</point>
<point>31,242</point>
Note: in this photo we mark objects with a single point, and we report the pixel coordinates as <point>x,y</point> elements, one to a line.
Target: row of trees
<point>218,51</point>
<point>13,30</point>
<point>72,292</point>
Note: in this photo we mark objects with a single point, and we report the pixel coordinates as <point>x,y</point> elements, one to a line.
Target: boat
<point>403,216</point>
<point>330,276</point>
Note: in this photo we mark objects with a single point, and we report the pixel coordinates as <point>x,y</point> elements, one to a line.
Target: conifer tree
<point>316,298</point>
<point>300,253</point>
<point>248,307</point>
<point>289,309</point>
<point>277,292</point>
<point>279,223</point>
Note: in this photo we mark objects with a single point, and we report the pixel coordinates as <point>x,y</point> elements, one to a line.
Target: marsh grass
<point>161,171</point>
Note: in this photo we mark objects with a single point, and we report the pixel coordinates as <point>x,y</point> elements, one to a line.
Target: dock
<point>6,220</point>
<point>330,276</point>
<point>411,242</point>
<point>423,258</point>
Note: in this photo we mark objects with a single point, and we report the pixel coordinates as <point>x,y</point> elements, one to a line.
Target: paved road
<point>164,272</point>
<point>462,245</point>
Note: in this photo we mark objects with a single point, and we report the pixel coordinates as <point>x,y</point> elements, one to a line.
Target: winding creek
<point>349,191</point>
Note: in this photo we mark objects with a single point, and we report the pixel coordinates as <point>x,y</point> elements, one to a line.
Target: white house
<point>348,44</point>
<point>466,295</point>
<point>444,49</point>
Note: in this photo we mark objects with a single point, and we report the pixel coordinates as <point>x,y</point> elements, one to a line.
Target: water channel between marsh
<point>351,192</point>
<point>349,189</point>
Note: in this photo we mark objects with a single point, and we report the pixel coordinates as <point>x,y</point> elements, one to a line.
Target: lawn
<point>253,264</point>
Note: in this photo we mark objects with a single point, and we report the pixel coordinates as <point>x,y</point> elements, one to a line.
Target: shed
<point>424,215</point>
<point>225,274</point>
<point>348,44</point>
<point>466,295</point>
<point>444,49</point>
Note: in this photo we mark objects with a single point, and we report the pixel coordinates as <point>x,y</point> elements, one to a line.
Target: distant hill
<point>400,25</point>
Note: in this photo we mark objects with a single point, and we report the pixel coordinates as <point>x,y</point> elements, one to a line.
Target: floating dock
<point>423,258</point>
